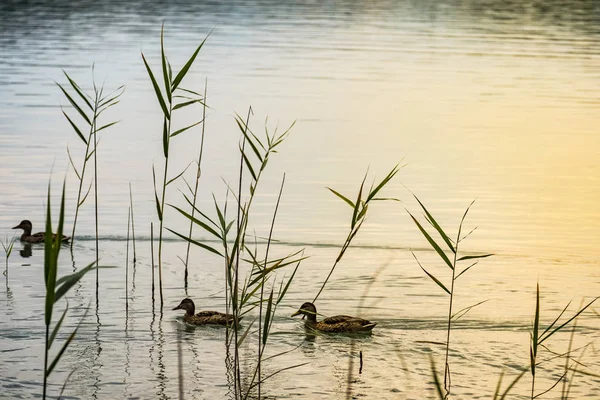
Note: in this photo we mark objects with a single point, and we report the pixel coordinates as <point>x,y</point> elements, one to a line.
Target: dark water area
<point>490,100</point>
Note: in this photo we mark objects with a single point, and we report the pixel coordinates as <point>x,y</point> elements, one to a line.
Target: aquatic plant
<point>56,288</point>
<point>194,192</point>
<point>537,339</point>
<point>243,297</point>
<point>359,214</point>
<point>89,108</point>
<point>173,99</point>
<point>453,246</point>
<point>7,245</point>
<point>132,223</point>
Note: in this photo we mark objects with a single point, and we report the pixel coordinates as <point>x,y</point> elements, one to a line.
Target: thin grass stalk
<point>96,197</point>
<point>262,286</point>
<point>166,121</point>
<point>360,208</point>
<point>79,191</point>
<point>240,233</point>
<point>132,224</point>
<point>152,257</point>
<point>179,365</point>
<point>127,264</point>
<point>46,350</point>
<point>198,175</point>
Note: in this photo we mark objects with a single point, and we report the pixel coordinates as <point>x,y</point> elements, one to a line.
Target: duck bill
<point>16,227</point>
<point>296,313</point>
<point>177,308</point>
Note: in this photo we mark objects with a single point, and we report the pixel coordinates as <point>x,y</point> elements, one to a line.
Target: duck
<point>39,237</point>
<point>203,317</point>
<point>339,323</point>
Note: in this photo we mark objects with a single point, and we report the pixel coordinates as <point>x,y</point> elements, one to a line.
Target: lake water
<point>493,100</point>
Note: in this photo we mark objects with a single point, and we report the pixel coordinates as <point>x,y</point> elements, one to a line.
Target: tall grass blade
<point>474,257</point>
<point>192,241</point>
<point>345,199</point>
<point>198,222</point>
<point>177,132</point>
<point>75,128</point>
<point>432,242</point>
<point>163,59</point>
<point>80,92</point>
<point>75,105</point>
<point>268,317</point>
<point>165,138</point>
<point>436,225</point>
<point>57,326</point>
<point>65,345</point>
<point>159,95</point>
<point>187,66</point>
<point>384,182</point>
<point>567,322</point>
<point>73,164</point>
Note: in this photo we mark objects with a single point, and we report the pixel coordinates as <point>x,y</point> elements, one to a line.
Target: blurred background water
<point>487,100</point>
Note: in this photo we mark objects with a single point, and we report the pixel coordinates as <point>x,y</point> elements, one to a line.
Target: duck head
<point>25,225</point>
<point>187,305</point>
<point>307,310</point>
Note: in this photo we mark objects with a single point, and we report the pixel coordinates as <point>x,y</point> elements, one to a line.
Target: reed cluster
<point>255,280</point>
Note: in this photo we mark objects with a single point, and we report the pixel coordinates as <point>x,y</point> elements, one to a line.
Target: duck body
<point>337,324</point>
<point>202,317</point>
<point>39,237</point>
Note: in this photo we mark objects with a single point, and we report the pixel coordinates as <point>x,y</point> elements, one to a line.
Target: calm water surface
<point>494,101</point>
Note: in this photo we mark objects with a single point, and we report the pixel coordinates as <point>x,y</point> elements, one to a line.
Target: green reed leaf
<point>459,314</point>
<point>287,285</point>
<point>177,132</point>
<point>73,164</point>
<point>192,241</point>
<point>178,176</point>
<point>64,347</point>
<point>358,204</point>
<point>185,104</point>
<point>50,256</point>
<point>80,92</point>
<point>112,96</point>
<point>542,339</point>
<point>432,242</point>
<point>57,326</point>
<point>244,129</point>
<point>159,95</point>
<point>249,166</point>
<point>66,282</point>
<point>86,195</point>
<point>107,126</point>
<point>344,198</point>
<point>75,128</point>
<point>164,64</point>
<point>466,269</point>
<point>437,226</point>
<point>474,257</point>
<point>158,209</point>
<point>75,105</point>
<point>512,384</point>
<point>200,212</point>
<point>433,278</point>
<point>243,336</point>
<point>219,214</point>
<point>536,325</point>
<point>165,138</point>
<point>384,182</point>
<point>187,66</point>
<point>268,316</point>
<point>436,380</point>
<point>204,226</point>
